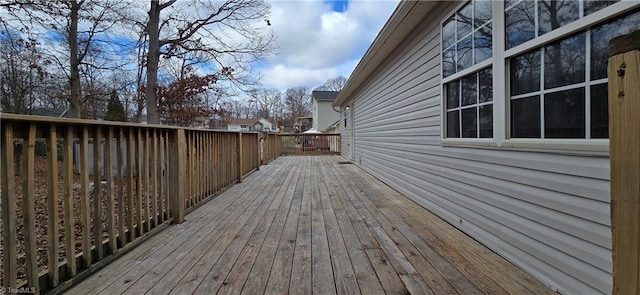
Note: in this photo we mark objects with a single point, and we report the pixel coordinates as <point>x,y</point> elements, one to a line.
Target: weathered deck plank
<point>304,225</point>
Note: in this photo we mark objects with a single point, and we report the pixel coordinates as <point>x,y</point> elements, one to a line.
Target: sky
<point>319,40</point>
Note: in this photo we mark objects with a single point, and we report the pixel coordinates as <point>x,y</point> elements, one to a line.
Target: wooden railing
<point>310,144</point>
<point>76,194</point>
<point>271,147</point>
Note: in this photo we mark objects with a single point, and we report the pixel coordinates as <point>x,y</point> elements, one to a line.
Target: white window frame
<point>501,82</point>
<point>475,68</point>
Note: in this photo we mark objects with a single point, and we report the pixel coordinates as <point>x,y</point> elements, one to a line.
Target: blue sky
<point>319,40</point>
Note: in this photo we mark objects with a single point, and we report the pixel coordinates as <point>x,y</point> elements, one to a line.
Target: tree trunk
<point>75,99</point>
<point>153,117</point>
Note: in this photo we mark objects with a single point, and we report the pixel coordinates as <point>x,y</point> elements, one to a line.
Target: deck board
<point>304,225</point>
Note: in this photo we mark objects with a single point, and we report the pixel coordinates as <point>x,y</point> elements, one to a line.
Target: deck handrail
<point>156,174</point>
<point>310,144</point>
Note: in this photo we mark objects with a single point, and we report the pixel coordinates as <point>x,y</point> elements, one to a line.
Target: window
<point>549,60</point>
<point>467,41</point>
<point>559,90</point>
<point>526,20</point>
<point>470,106</point>
<point>467,37</point>
<point>346,116</point>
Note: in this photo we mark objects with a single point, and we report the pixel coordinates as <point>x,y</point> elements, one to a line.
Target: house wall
<point>547,212</point>
<point>345,132</point>
<point>324,115</point>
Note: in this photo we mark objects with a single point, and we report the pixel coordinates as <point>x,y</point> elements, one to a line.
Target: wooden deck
<point>304,225</point>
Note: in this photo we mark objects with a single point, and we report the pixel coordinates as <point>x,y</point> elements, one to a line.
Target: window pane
<point>525,117</point>
<point>449,62</point>
<point>556,13</point>
<point>564,114</point>
<point>599,111</point>
<point>469,90</point>
<point>470,123</point>
<point>600,38</point>
<point>482,43</point>
<point>591,6</point>
<point>463,18</point>
<point>464,54</point>
<point>486,121</point>
<point>525,73</point>
<point>448,33</point>
<point>564,62</point>
<point>452,95</point>
<point>486,85</point>
<point>482,12</point>
<point>453,124</point>
<point>520,23</point>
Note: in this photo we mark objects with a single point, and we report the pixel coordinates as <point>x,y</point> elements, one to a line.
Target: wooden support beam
<point>624,130</point>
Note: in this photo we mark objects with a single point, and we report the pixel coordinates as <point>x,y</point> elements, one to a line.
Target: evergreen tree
<point>115,109</point>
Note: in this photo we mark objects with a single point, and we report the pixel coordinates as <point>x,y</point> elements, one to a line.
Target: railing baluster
<point>196,167</point>
<point>97,194</point>
<point>189,201</point>
<point>108,162</point>
<point>147,214</point>
<point>85,202</point>
<point>9,219</point>
<point>120,187</point>
<point>164,176</point>
<point>210,188</point>
<point>28,209</point>
<point>239,152</point>
<point>54,220</point>
<point>139,174</point>
<point>69,223</point>
<point>130,185</point>
<point>154,178</point>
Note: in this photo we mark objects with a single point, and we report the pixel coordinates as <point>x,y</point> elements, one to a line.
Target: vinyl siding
<point>547,212</point>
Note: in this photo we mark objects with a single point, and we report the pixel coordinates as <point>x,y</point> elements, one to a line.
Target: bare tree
<point>82,24</point>
<point>267,101</point>
<point>335,84</point>
<point>298,104</point>
<point>185,29</point>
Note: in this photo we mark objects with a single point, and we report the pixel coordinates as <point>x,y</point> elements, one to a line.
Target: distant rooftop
<point>322,95</point>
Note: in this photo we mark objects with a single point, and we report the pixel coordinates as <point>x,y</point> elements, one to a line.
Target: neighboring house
<point>269,125</point>
<point>334,128</point>
<point>521,166</point>
<point>324,115</point>
<point>50,112</point>
<point>245,125</point>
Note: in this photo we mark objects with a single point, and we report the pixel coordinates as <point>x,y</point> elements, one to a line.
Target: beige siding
<point>546,212</point>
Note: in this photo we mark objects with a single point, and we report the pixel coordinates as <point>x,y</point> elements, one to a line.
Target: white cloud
<point>317,43</point>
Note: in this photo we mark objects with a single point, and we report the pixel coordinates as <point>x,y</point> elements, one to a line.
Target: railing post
<point>624,130</point>
<point>9,218</point>
<point>239,148</point>
<point>177,171</point>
